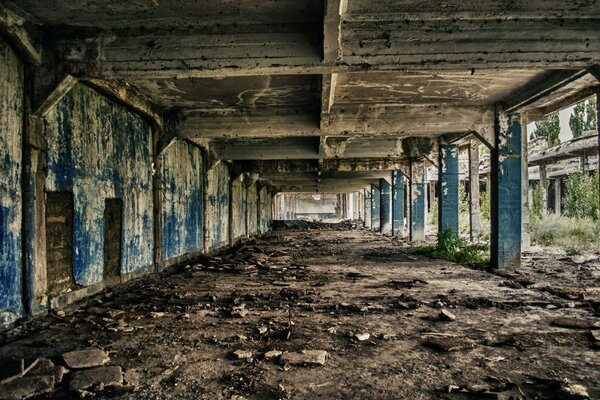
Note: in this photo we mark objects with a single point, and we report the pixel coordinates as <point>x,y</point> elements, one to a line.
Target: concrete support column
<point>367,196</point>
<point>397,203</point>
<point>385,221</point>
<point>506,192</point>
<point>544,186</point>
<point>448,187</point>
<point>525,231</point>
<point>558,196</point>
<point>375,208</point>
<point>474,195</point>
<point>417,200</point>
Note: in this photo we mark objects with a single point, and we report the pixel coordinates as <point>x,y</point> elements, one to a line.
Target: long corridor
<point>325,314</point>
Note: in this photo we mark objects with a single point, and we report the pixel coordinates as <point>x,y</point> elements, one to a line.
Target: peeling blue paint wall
<point>506,193</point>
<point>252,208</point>
<point>98,149</point>
<point>11,136</point>
<point>448,187</point>
<point>238,209</point>
<point>182,200</point>
<point>397,203</point>
<point>217,212</point>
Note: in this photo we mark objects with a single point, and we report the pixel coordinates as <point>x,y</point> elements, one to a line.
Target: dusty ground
<point>318,288</point>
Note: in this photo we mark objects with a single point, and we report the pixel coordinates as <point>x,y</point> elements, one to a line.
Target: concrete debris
<point>575,323</point>
<point>85,358</point>
<point>448,343</point>
<point>27,387</point>
<point>306,357</point>
<point>96,377</point>
<point>7,319</point>
<point>595,335</point>
<point>243,354</point>
<point>446,315</point>
<point>239,311</point>
<point>361,337</point>
<point>262,330</point>
<point>272,354</point>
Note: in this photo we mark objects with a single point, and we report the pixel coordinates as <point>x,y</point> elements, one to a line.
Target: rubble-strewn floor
<point>174,336</point>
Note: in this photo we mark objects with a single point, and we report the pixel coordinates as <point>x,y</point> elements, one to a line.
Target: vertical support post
<point>506,192</point>
<point>448,187</point>
<point>367,194</point>
<point>525,230</point>
<point>385,221</point>
<point>544,186</point>
<point>375,207</point>
<point>397,203</point>
<point>558,196</point>
<point>417,200</point>
<point>474,194</point>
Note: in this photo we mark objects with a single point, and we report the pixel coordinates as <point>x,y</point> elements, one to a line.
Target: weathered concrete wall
<point>266,204</point>
<point>252,208</point>
<point>217,211</point>
<point>182,200</point>
<point>11,136</point>
<point>98,149</point>
<point>325,207</point>
<point>238,208</point>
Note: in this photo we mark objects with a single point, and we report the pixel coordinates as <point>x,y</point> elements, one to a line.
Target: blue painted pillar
<point>506,192</point>
<point>375,207</point>
<point>417,200</point>
<point>448,187</point>
<point>385,205</point>
<point>367,195</point>
<point>397,203</point>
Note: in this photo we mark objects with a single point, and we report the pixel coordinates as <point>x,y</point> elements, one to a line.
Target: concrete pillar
<point>367,196</point>
<point>558,196</point>
<point>544,186</point>
<point>474,195</point>
<point>506,192</point>
<point>525,231</point>
<point>417,200</point>
<point>375,208</point>
<point>385,206</point>
<point>397,203</point>
<point>448,187</point>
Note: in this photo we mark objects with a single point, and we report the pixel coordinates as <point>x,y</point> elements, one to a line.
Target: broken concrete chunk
<point>306,357</point>
<point>26,387</point>
<point>446,315</point>
<point>595,335</point>
<point>262,329</point>
<point>361,337</point>
<point>239,311</point>
<point>574,323</point>
<point>446,343</point>
<point>85,358</point>
<point>100,376</point>
<point>242,354</point>
<point>269,355</point>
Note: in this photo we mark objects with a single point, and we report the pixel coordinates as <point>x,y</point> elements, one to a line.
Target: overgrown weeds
<point>452,247</point>
<point>575,235</point>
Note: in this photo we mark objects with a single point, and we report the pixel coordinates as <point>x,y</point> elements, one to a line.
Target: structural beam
<point>417,200</point>
<point>22,32</point>
<point>506,193</point>
<point>474,194</point>
<point>368,205</point>
<point>397,203</point>
<point>448,188</point>
<point>375,208</point>
<point>544,187</point>
<point>385,221</point>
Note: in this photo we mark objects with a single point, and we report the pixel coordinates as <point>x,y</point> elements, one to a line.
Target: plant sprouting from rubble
<point>450,246</point>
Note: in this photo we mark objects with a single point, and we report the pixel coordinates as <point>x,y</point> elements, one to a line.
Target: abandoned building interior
<point>307,199</point>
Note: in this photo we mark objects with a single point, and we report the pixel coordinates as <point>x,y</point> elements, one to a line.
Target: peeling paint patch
<point>375,208</point>
<point>11,135</point>
<point>217,212</point>
<point>182,200</point>
<point>238,208</point>
<point>448,185</point>
<point>98,149</point>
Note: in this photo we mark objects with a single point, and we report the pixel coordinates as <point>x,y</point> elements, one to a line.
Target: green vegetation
<point>452,247</point>
<point>583,117</point>
<point>581,196</point>
<point>548,128</point>
<point>536,204</point>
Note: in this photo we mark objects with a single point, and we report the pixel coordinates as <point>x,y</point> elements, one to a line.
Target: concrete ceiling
<point>325,80</point>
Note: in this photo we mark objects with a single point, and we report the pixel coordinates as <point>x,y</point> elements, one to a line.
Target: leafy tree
<point>583,117</point>
<point>581,196</point>
<point>548,128</point>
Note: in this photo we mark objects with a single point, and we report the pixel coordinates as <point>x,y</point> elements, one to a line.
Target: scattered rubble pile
<point>316,225</point>
<point>317,314</point>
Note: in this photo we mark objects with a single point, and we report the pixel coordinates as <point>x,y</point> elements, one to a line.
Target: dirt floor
<point>384,318</point>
